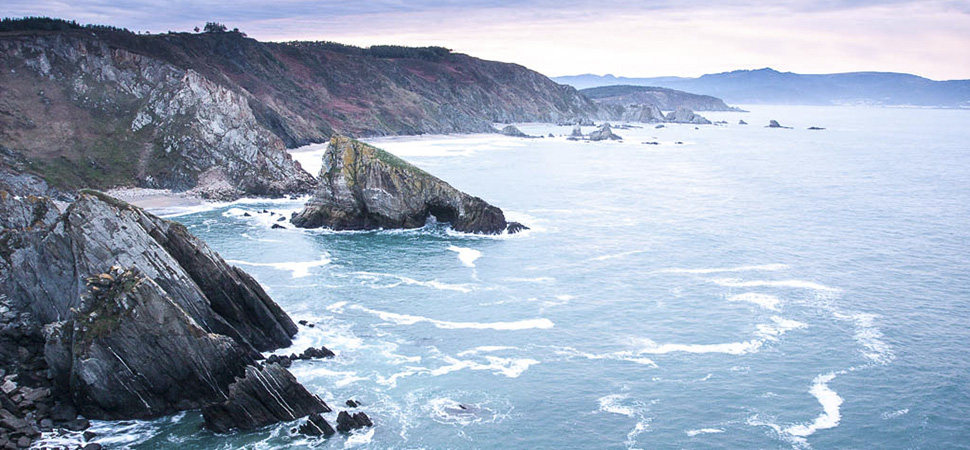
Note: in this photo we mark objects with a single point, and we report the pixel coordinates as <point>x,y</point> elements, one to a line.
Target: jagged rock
<point>684,115</point>
<point>352,403</point>
<point>513,131</point>
<point>264,396</point>
<point>129,333</point>
<point>97,232</point>
<point>171,333</point>
<point>277,226</point>
<point>742,122</point>
<point>362,187</point>
<point>774,124</point>
<point>515,227</point>
<point>316,425</point>
<point>604,133</point>
<point>346,422</point>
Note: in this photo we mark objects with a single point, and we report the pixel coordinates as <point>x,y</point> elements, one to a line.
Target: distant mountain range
<point>769,86</point>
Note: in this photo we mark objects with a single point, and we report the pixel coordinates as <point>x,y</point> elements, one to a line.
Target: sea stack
<point>362,187</point>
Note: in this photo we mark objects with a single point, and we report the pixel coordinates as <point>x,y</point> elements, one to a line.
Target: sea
<point>712,286</point>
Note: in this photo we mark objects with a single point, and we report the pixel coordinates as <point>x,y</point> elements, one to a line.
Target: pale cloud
<point>558,37</point>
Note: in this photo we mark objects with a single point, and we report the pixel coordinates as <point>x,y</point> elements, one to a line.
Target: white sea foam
<point>532,280</point>
<point>467,256</point>
<point>830,401</point>
<point>696,432</point>
<point>619,404</point>
<point>359,438</point>
<point>894,414</point>
<point>299,269</point>
<point>765,332</point>
<point>434,284</point>
<point>486,349</point>
<point>764,267</point>
<point>510,367</point>
<point>800,284</point>
<point>763,300</point>
<point>869,337</point>
<point>628,356</point>
<point>406,319</point>
<point>617,255</point>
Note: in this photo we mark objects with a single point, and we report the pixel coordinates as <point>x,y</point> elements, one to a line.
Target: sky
<point>567,37</point>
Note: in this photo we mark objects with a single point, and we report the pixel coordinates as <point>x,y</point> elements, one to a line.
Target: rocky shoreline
<point>109,312</point>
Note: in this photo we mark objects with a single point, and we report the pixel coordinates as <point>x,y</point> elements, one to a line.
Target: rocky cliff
<point>214,111</point>
<point>124,315</point>
<point>362,187</point>
<point>663,98</point>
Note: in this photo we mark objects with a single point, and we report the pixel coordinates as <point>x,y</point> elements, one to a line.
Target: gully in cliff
<point>362,187</point>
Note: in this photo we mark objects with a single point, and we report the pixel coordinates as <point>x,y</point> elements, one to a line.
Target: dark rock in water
<point>322,352</point>
<point>352,403</point>
<point>551,135</point>
<point>742,122</point>
<point>246,214</point>
<point>515,227</point>
<point>362,187</point>
<point>281,219</point>
<point>263,396</point>
<point>77,425</point>
<point>660,126</point>
<point>346,422</point>
<point>92,446</point>
<point>684,115</point>
<point>678,143</point>
<point>316,425</point>
<point>303,322</point>
<point>277,226</point>
<point>816,128</point>
<point>310,325</point>
<point>774,124</point>
<point>651,143</point>
<point>88,435</point>
<point>577,132</point>
<point>513,131</point>
<point>604,133</point>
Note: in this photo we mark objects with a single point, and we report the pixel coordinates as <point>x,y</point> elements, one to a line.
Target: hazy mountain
<point>768,86</point>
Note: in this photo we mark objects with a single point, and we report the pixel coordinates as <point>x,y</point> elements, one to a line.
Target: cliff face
<point>214,111</point>
<point>662,98</point>
<point>362,187</point>
<point>83,113</point>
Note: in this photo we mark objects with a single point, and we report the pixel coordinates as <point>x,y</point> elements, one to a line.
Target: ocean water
<point>745,288</point>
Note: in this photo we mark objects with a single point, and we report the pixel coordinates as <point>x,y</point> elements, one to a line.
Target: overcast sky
<point>565,37</point>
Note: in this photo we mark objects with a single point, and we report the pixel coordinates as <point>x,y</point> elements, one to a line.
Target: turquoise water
<point>748,288</point>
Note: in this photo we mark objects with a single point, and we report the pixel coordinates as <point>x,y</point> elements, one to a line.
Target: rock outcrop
<point>362,187</point>
<point>684,115</point>
<point>662,98</point>
<point>266,395</point>
<point>347,422</point>
<point>604,133</point>
<point>774,124</point>
<point>513,131</point>
<point>114,313</point>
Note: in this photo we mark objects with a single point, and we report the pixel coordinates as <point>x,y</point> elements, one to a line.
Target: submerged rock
<point>362,187</point>
<point>604,133</point>
<point>684,115</point>
<point>264,396</point>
